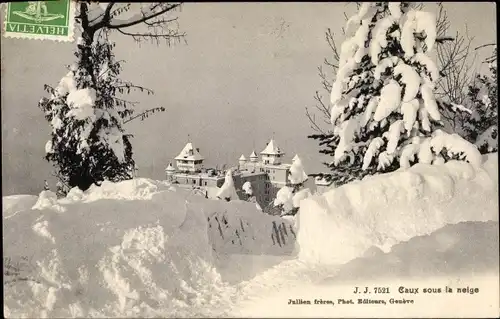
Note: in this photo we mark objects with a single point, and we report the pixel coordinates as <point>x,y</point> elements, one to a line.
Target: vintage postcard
<point>256,159</point>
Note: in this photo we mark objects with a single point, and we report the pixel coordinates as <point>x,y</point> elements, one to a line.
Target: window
<point>194,181</point>
<point>267,192</point>
<point>205,183</point>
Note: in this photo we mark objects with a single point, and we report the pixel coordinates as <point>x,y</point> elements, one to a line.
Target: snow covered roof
<point>253,155</point>
<point>247,173</point>
<point>271,149</point>
<point>170,168</point>
<point>277,166</point>
<point>296,157</point>
<point>242,158</point>
<point>189,152</point>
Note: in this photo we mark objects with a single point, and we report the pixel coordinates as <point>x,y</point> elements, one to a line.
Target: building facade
<point>266,174</point>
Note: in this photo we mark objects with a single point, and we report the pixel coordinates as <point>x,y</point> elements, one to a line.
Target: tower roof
<point>242,158</point>
<point>296,157</point>
<point>189,152</point>
<point>170,168</point>
<point>253,155</point>
<point>272,149</point>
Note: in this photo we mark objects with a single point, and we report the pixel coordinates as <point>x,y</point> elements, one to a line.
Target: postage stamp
<point>43,20</point>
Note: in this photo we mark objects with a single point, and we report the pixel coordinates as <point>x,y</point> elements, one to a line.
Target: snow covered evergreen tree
<point>481,127</point>
<point>288,197</point>
<point>227,191</point>
<point>88,143</point>
<point>384,113</point>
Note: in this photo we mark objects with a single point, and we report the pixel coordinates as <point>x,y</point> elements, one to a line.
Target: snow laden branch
<point>141,21</point>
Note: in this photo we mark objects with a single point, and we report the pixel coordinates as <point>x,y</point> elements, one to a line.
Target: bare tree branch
<point>485,45</point>
<point>144,114</point>
<point>145,17</point>
<point>455,60</point>
<point>327,77</point>
<point>153,17</point>
<point>312,120</point>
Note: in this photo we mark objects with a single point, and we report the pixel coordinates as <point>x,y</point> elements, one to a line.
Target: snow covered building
<point>275,173</point>
<point>189,159</point>
<point>266,175</point>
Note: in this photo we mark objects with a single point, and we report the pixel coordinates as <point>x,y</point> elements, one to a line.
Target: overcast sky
<point>247,70</point>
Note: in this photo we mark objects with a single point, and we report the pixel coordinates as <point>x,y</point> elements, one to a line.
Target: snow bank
<point>455,256</point>
<point>384,210</point>
<point>14,204</point>
<point>138,248</point>
<point>458,249</point>
<point>239,228</point>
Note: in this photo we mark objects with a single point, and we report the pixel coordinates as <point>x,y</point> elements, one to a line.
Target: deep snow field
<point>144,248</point>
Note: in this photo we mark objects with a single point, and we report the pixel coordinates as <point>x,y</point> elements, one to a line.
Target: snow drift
<point>135,248</point>
<point>460,256</point>
<point>14,204</point>
<point>234,231</point>
<point>454,250</point>
<point>383,210</point>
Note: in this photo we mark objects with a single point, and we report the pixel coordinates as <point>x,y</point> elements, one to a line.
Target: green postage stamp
<point>51,20</point>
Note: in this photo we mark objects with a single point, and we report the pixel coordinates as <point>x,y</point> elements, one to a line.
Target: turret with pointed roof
<point>242,161</point>
<point>272,153</point>
<point>169,171</point>
<point>253,157</point>
<point>170,168</point>
<point>272,149</point>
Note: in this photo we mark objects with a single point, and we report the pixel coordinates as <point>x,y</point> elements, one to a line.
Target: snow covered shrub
<point>288,197</point>
<point>481,127</point>
<point>228,191</point>
<point>248,193</point>
<point>384,112</point>
<point>88,143</point>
